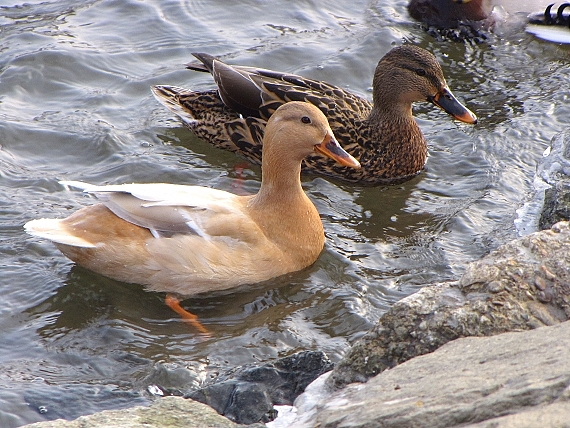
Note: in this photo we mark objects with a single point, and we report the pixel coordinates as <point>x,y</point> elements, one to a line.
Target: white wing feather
<point>165,208</point>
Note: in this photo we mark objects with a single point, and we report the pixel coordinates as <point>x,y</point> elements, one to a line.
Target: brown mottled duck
<point>382,135</point>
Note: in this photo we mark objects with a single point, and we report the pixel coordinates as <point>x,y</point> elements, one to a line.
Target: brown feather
<point>383,135</point>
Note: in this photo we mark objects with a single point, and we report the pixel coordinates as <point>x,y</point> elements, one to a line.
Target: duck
<point>552,25</point>
<point>446,14</point>
<point>472,20</point>
<point>185,240</point>
<point>382,135</point>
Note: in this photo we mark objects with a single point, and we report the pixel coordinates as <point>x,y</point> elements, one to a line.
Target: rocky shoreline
<point>487,350</point>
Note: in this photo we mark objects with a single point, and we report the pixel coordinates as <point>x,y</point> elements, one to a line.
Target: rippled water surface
<point>75,105</point>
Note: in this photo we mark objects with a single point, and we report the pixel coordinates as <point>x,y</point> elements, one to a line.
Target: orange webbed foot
<point>173,303</point>
<point>237,184</point>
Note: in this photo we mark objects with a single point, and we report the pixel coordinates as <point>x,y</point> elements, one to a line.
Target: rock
<point>554,171</point>
<point>549,202</point>
<point>522,285</point>
<point>519,379</point>
<point>247,394</point>
<point>556,205</point>
<point>171,412</point>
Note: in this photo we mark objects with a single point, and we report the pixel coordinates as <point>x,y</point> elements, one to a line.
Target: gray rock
<point>247,394</point>
<point>522,285</point>
<point>556,205</point>
<point>549,202</point>
<point>554,171</point>
<point>167,412</point>
<point>555,165</point>
<point>519,379</point>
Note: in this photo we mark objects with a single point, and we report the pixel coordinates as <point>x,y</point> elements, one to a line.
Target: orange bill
<point>332,149</point>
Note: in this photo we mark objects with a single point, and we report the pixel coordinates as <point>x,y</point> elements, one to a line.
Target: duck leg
<point>237,184</point>
<point>173,303</point>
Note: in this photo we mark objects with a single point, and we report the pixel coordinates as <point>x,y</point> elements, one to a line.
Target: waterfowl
<point>471,19</point>
<point>553,24</point>
<point>449,13</point>
<point>382,135</point>
<point>191,239</point>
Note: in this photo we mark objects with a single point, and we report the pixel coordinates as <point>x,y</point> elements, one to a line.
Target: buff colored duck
<point>382,135</point>
<point>191,239</point>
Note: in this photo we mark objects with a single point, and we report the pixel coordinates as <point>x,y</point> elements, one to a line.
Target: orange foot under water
<point>237,184</point>
<point>174,304</point>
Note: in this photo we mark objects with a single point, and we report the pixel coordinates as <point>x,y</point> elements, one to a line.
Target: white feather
<point>49,228</point>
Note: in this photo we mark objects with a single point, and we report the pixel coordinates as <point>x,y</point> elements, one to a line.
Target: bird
<point>480,14</point>
<point>185,240</point>
<point>551,25</point>
<point>383,135</point>
<point>449,13</point>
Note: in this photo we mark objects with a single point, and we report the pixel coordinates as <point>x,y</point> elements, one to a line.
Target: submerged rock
<point>522,285</point>
<point>247,394</point>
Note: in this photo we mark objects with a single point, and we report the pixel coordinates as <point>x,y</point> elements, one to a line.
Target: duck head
<point>408,74</point>
<point>297,129</point>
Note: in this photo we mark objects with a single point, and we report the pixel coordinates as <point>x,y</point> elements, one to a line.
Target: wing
<point>257,92</point>
<point>168,209</point>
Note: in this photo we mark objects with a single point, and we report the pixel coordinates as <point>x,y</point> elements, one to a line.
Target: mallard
<point>382,135</point>
<point>449,13</point>
<point>190,239</point>
<point>444,14</point>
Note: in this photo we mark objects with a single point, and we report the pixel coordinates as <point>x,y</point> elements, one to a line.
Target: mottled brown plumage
<point>382,135</point>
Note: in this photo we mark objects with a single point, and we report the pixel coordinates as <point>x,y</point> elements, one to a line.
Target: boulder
<point>247,394</point>
<point>522,285</point>
<point>171,412</point>
<point>553,174</point>
<point>511,380</point>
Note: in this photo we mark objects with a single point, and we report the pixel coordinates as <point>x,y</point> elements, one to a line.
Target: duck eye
<point>306,119</point>
<point>420,72</point>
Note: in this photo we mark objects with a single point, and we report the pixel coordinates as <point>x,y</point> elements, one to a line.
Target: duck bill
<point>445,100</point>
<point>330,148</point>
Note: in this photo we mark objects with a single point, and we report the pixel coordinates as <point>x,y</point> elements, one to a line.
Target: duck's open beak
<point>330,148</point>
<point>445,100</point>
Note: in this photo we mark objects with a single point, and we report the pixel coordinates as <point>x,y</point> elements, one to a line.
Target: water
<point>75,105</point>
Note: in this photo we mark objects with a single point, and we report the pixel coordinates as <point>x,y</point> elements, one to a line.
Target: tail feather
<point>206,62</point>
<point>52,229</point>
<point>168,96</point>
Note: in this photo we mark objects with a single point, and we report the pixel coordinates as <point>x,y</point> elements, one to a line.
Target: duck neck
<point>281,208</point>
<point>386,112</point>
<point>398,137</point>
<point>280,181</point>
<point>389,102</point>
